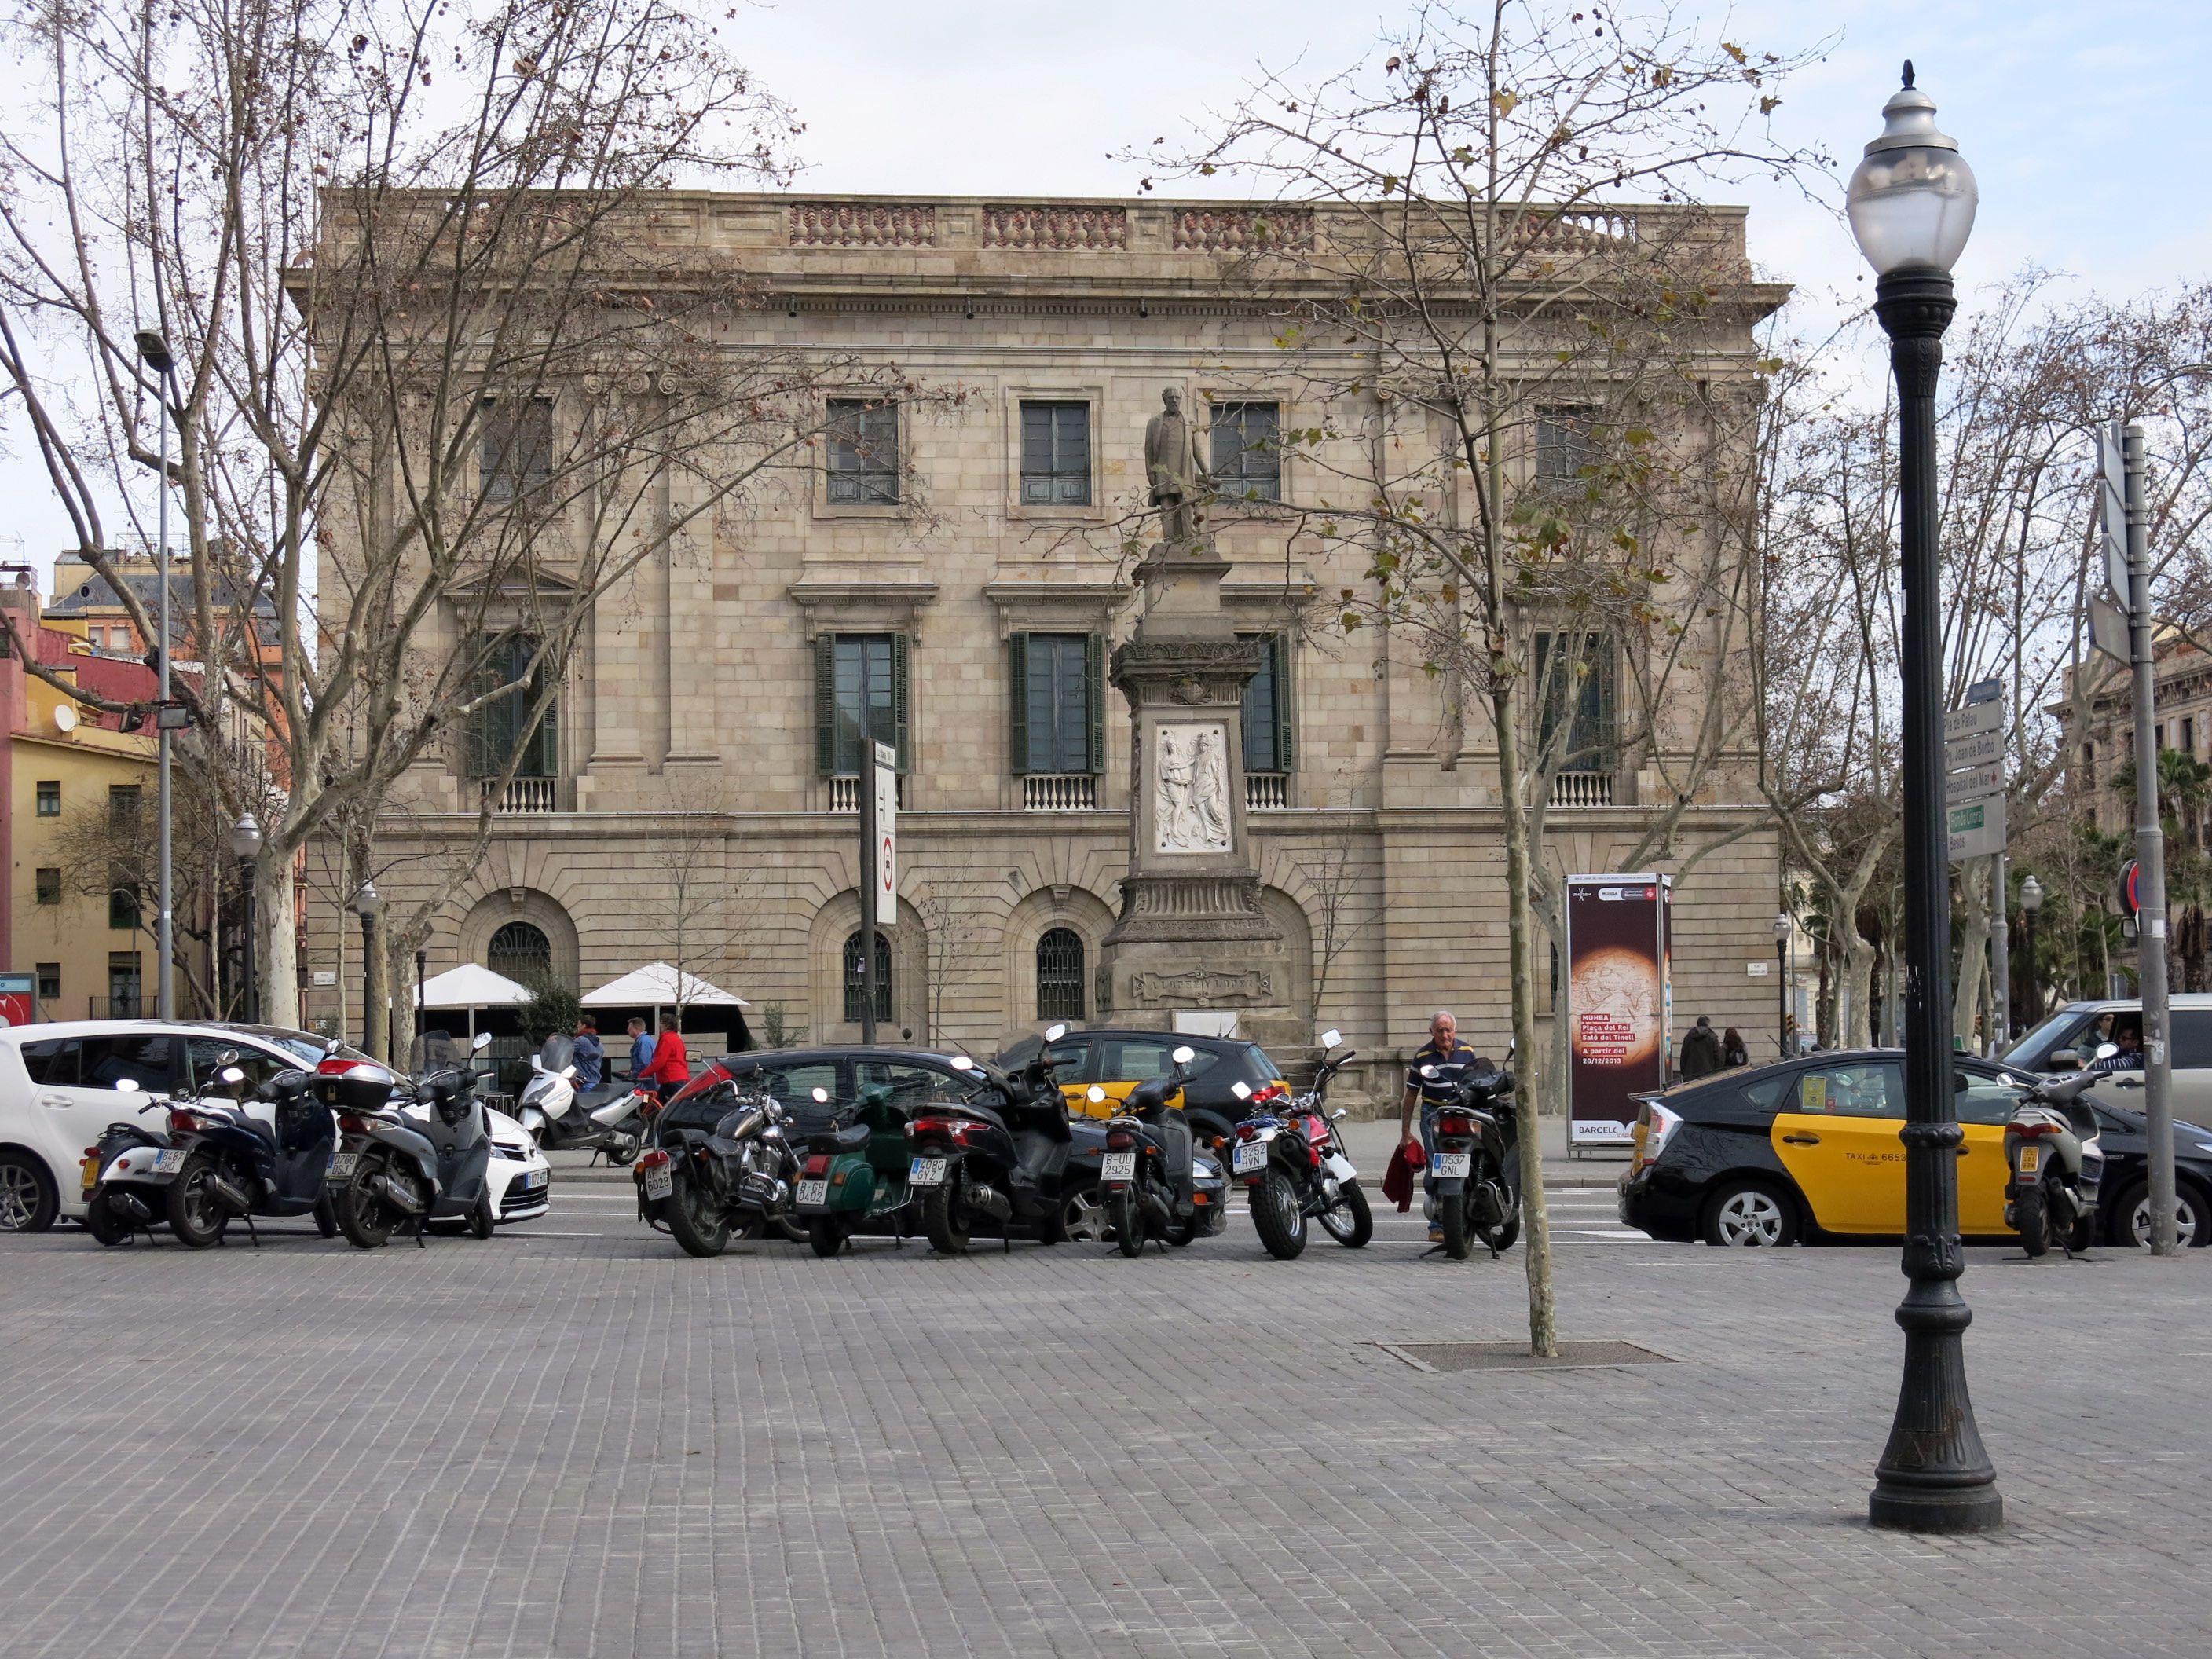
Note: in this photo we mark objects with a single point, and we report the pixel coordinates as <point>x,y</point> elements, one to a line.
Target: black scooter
<point>1475,1176</point>
<point>1015,1164</point>
<point>393,1168</point>
<point>235,1167</point>
<point>1147,1176</point>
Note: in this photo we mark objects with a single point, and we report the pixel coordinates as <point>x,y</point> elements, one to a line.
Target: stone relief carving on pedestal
<point>1190,789</point>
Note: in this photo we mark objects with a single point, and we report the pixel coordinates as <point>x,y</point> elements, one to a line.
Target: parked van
<point>2068,1041</point>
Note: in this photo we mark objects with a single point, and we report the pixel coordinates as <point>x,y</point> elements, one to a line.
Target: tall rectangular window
<point>860,697</point>
<point>1248,457</point>
<point>122,898</point>
<point>517,448</point>
<point>1057,705</point>
<point>50,886</point>
<point>123,982</point>
<point>123,801</point>
<point>1267,707</point>
<point>1056,454</point>
<point>1565,448</point>
<point>496,728</point>
<point>50,798</point>
<point>50,981</point>
<point>1575,687</point>
<point>863,453</point>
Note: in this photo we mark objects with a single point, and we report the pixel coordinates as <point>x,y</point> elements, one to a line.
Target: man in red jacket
<point>671,1067</point>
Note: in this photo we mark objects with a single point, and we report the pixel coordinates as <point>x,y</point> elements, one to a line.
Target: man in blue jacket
<point>640,1049</point>
<point>591,1059</point>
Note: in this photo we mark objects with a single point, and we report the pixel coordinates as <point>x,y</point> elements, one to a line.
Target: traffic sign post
<point>885,842</point>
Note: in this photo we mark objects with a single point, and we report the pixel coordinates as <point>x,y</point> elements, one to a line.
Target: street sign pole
<point>2150,841</point>
<point>865,783</point>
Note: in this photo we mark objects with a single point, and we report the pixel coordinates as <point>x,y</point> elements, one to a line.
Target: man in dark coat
<point>1701,1050</point>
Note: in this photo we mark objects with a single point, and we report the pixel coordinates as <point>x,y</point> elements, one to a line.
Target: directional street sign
<point>1984,691</point>
<point>2108,630</point>
<point>2111,510</point>
<point>1974,718</point>
<point>1982,748</point>
<point>1974,782</point>
<point>1976,828</point>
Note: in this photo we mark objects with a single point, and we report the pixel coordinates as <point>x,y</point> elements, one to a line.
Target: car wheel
<point>1748,1214</point>
<point>1082,1218</point>
<point>2192,1212</point>
<point>27,1201</point>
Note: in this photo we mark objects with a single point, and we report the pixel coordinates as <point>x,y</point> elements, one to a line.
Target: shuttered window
<point>1565,448</point>
<point>1056,454</point>
<point>496,729</point>
<point>860,697</point>
<point>1054,687</point>
<point>1248,457</point>
<point>1575,681</point>
<point>1267,707</point>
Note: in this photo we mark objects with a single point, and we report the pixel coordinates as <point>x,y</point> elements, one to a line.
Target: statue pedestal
<point>1191,935</point>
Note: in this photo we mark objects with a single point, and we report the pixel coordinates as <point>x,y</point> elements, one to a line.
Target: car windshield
<point>2031,1047</point>
<point>309,1050</point>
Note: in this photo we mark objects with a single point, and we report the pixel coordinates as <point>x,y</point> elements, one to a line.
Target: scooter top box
<point>362,1087</point>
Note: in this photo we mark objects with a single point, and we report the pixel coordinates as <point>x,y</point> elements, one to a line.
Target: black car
<point>1118,1060</point>
<point>1808,1149</point>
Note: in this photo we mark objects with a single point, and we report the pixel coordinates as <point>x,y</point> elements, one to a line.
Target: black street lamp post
<point>365,903</point>
<point>2030,901</point>
<point>1782,983</point>
<point>245,847</point>
<point>1912,202</point>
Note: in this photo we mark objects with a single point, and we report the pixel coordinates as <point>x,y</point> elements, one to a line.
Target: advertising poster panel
<point>1619,1001</point>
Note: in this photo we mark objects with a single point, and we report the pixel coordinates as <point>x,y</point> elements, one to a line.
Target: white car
<point>58,1093</point>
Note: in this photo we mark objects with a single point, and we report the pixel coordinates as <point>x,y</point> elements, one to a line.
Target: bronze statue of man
<point>1180,483</point>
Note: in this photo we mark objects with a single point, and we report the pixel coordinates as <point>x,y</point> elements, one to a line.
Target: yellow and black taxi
<point>1116,1061</point>
<point>1806,1149</point>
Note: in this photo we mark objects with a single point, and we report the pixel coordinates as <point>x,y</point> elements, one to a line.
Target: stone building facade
<point>973,593</point>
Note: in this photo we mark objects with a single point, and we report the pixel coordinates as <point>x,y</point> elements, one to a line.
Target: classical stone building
<point>940,575</point>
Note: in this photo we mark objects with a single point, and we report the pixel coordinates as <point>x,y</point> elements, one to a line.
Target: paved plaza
<point>569,1441</point>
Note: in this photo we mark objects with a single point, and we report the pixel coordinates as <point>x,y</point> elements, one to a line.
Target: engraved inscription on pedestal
<point>1190,784</point>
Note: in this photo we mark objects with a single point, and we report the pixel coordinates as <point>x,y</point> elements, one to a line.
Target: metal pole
<point>2000,967</point>
<point>368,980</point>
<point>422,1014</point>
<point>1933,1475</point>
<point>1781,999</point>
<point>2032,1003</point>
<point>251,1002</point>
<point>2150,856</point>
<point>867,884</point>
<point>164,995</point>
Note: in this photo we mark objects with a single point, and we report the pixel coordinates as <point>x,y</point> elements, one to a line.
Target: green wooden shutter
<point>825,704</point>
<point>1094,701</point>
<point>549,733</point>
<point>1602,668</point>
<point>1278,652</point>
<point>901,701</point>
<point>1018,702</point>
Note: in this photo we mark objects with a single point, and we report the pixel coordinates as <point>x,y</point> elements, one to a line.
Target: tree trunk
<point>276,944</point>
<point>1973,961</point>
<point>1520,932</point>
<point>1854,998</point>
<point>375,1035</point>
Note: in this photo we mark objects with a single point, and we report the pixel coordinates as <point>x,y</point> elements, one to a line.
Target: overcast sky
<point>2086,124</point>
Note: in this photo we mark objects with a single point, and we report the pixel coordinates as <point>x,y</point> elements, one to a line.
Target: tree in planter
<point>1466,292</point>
<point>553,1010</point>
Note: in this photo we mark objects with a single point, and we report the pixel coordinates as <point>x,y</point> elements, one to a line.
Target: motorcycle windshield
<point>558,1051</point>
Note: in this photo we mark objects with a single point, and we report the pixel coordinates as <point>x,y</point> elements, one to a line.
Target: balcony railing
<point>1583,789</point>
<point>527,795</point>
<point>1267,791</point>
<point>845,794</point>
<point>1058,792</point>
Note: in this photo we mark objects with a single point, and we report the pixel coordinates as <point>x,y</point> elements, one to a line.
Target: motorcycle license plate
<point>2031,1160</point>
<point>659,1183</point>
<point>927,1172</point>
<point>1452,1165</point>
<point>1251,1155</point>
<point>340,1168</point>
<point>1119,1166</point>
<point>170,1162</point>
<point>814,1192</point>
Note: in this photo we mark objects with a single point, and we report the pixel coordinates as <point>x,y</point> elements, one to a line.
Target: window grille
<point>863,453</point>
<point>1564,447</point>
<point>853,989</point>
<point>521,951</point>
<point>1060,975</point>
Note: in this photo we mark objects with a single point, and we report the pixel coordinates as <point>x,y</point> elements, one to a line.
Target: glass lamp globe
<point>245,838</point>
<point>1912,199</point>
<point>1781,927</point>
<point>365,903</point>
<point>2030,894</point>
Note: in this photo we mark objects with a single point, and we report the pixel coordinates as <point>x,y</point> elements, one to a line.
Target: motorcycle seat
<point>847,1138</point>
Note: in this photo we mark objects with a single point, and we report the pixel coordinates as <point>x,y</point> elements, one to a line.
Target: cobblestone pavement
<point>568,1441</point>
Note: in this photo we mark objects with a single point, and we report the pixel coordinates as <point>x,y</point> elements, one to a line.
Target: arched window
<point>852,1002</point>
<point>1060,975</point>
<point>521,952</point>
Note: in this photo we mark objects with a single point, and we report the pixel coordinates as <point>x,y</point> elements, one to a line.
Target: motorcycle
<point>1295,1168</point>
<point>550,1112</point>
<point>2056,1164</point>
<point>717,1162</point>
<point>855,1173</point>
<point>1473,1181</point>
<point>225,1164</point>
<point>400,1160</point>
<point>1150,1173</point>
<point>1016,1164</point>
<point>126,1176</point>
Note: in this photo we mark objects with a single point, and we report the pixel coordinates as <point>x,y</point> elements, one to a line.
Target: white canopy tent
<point>657,985</point>
<point>472,985</point>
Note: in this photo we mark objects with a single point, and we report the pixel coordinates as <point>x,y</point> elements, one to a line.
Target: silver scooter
<point>2056,1165</point>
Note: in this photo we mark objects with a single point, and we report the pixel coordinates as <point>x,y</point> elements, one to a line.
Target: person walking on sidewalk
<point>1701,1051</point>
<point>671,1065</point>
<point>1447,1057</point>
<point>640,1050</point>
<point>1732,1053</point>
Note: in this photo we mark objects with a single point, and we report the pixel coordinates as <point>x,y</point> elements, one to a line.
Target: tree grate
<point>1516,1357</point>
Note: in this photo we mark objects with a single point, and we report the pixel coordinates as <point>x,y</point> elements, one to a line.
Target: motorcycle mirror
<point>536,1064</point>
<point>129,1086</point>
<point>961,1063</point>
<point>1428,1071</point>
<point>1331,1037</point>
<point>1094,1094</point>
<point>228,1057</point>
<point>1184,1055</point>
<point>2107,1050</point>
<point>231,1074</point>
<point>821,1096</point>
<point>1340,1111</point>
<point>1054,1033</point>
<point>1241,1088</point>
<point>482,1042</point>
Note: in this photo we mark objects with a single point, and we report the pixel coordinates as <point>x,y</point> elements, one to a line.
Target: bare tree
<point>963,926</point>
<point>1527,378</point>
<point>1343,899</point>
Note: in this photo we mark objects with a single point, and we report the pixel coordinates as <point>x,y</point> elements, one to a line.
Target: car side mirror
<point>1960,1083</point>
<point>2064,1061</point>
